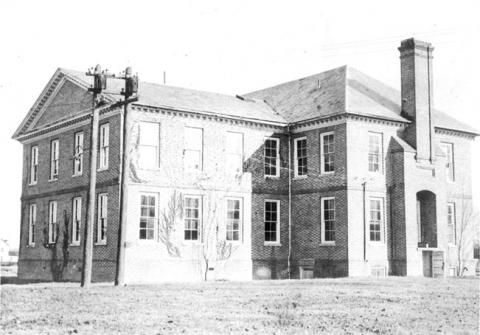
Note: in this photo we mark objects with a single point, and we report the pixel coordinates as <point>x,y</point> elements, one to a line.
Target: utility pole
<point>131,88</point>
<point>99,84</point>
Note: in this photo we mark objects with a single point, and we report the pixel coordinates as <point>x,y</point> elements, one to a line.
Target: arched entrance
<point>427,219</point>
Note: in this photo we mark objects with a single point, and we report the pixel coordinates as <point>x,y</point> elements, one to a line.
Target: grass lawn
<point>380,306</point>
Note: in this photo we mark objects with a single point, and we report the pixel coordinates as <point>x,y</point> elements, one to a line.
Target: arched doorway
<point>427,219</point>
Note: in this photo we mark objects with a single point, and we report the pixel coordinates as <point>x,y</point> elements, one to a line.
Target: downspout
<point>364,184</point>
<point>289,203</point>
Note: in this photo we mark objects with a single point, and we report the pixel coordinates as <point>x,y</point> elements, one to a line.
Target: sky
<point>230,47</point>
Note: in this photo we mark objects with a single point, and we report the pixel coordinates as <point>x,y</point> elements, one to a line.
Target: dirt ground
<point>331,306</point>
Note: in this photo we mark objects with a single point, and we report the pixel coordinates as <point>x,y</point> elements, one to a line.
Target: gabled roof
<point>152,95</point>
<point>184,99</point>
<point>343,90</point>
<point>334,92</point>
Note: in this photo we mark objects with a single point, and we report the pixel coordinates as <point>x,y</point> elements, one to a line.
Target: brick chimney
<point>417,96</point>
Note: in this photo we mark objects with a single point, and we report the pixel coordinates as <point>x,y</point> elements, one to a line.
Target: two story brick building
<point>335,174</point>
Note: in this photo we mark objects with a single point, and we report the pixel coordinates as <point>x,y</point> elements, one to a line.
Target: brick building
<point>335,174</point>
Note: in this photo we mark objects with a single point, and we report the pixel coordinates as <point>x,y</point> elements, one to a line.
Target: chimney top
<point>412,43</point>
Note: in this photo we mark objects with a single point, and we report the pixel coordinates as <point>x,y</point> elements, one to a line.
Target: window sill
<point>272,244</point>
<point>327,244</point>
<point>74,244</point>
<point>300,177</point>
<point>327,173</point>
<point>271,177</point>
<point>154,169</point>
<point>102,169</point>
<point>77,175</point>
<point>31,245</point>
<point>100,243</point>
<point>53,179</point>
<point>32,184</point>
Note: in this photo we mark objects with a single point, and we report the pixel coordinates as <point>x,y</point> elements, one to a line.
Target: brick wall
<point>35,261</point>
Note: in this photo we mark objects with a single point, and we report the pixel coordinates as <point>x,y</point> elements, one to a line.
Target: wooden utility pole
<point>98,86</point>
<point>131,87</point>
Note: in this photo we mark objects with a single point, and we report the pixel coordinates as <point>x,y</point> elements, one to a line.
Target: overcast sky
<point>230,47</point>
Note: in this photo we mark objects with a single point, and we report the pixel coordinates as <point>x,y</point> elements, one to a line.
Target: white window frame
<point>54,159</point>
<point>450,163</point>
<point>156,146</point>
<point>296,158</point>
<point>78,153</point>
<point>200,213</point>
<point>451,226</point>
<point>277,223</point>
<point>32,221</point>
<point>102,213</point>
<point>277,160</point>
<point>240,220</point>
<point>76,221</point>
<point>199,150</point>
<point>52,221</point>
<point>154,219</point>
<point>380,158</point>
<point>235,156</point>
<point>104,146</point>
<point>322,152</point>
<point>382,219</point>
<point>33,165</point>
<point>322,226</point>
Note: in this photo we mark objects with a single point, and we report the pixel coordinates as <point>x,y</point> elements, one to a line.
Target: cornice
<point>458,133</point>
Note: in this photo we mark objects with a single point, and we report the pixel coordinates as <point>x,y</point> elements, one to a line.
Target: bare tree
<point>469,223</point>
<point>57,266</point>
<point>169,217</point>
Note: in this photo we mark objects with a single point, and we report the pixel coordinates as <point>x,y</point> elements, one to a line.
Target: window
<point>104,145</point>
<point>327,154</point>
<point>272,157</point>
<point>52,222</point>
<point>328,220</point>
<point>234,152</point>
<point>102,218</point>
<point>451,224</point>
<point>234,219</point>
<point>300,153</point>
<point>193,154</point>
<point>148,216</point>
<point>76,220</point>
<point>78,154</point>
<point>32,220</point>
<point>148,146</point>
<point>272,221</point>
<point>449,165</point>
<point>33,165</point>
<point>376,219</point>
<point>375,152</point>
<point>54,152</point>
<point>192,217</point>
